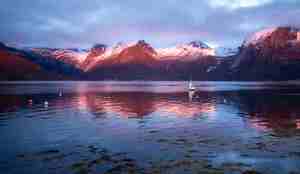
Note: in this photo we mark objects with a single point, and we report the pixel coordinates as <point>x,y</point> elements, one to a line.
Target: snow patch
<point>74,55</point>
<point>188,51</point>
<point>259,36</point>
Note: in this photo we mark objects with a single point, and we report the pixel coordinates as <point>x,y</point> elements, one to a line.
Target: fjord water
<point>149,127</point>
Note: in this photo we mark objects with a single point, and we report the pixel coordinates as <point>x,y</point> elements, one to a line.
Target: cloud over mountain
<point>79,23</point>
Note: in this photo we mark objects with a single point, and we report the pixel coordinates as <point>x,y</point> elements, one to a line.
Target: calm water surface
<point>149,127</point>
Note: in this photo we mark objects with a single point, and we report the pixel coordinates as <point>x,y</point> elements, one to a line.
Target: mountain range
<point>270,54</point>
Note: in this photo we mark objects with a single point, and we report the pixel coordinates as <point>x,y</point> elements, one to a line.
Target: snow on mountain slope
<point>141,51</point>
<point>93,56</point>
<point>190,51</point>
<point>70,56</point>
<point>277,39</point>
<point>138,51</point>
<point>117,49</point>
<point>269,46</point>
<point>258,36</point>
<point>97,55</point>
<point>78,55</point>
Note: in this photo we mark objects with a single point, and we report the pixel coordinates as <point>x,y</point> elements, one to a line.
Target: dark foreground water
<point>150,127</point>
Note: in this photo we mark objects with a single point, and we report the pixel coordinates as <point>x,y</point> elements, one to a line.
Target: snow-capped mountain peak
<point>76,54</point>
<point>141,52</point>
<point>137,52</point>
<point>270,45</point>
<point>274,37</point>
<point>258,36</point>
<point>189,51</point>
<point>72,56</point>
<point>121,49</point>
<point>120,46</point>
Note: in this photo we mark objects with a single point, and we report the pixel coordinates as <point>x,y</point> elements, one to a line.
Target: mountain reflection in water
<point>257,127</point>
<point>141,104</point>
<point>263,111</point>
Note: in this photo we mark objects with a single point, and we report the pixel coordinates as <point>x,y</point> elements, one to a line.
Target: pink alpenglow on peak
<point>190,51</point>
<point>259,36</point>
<point>142,49</point>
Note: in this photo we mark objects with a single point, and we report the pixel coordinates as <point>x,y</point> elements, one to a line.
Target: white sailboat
<point>191,95</point>
<point>191,86</point>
